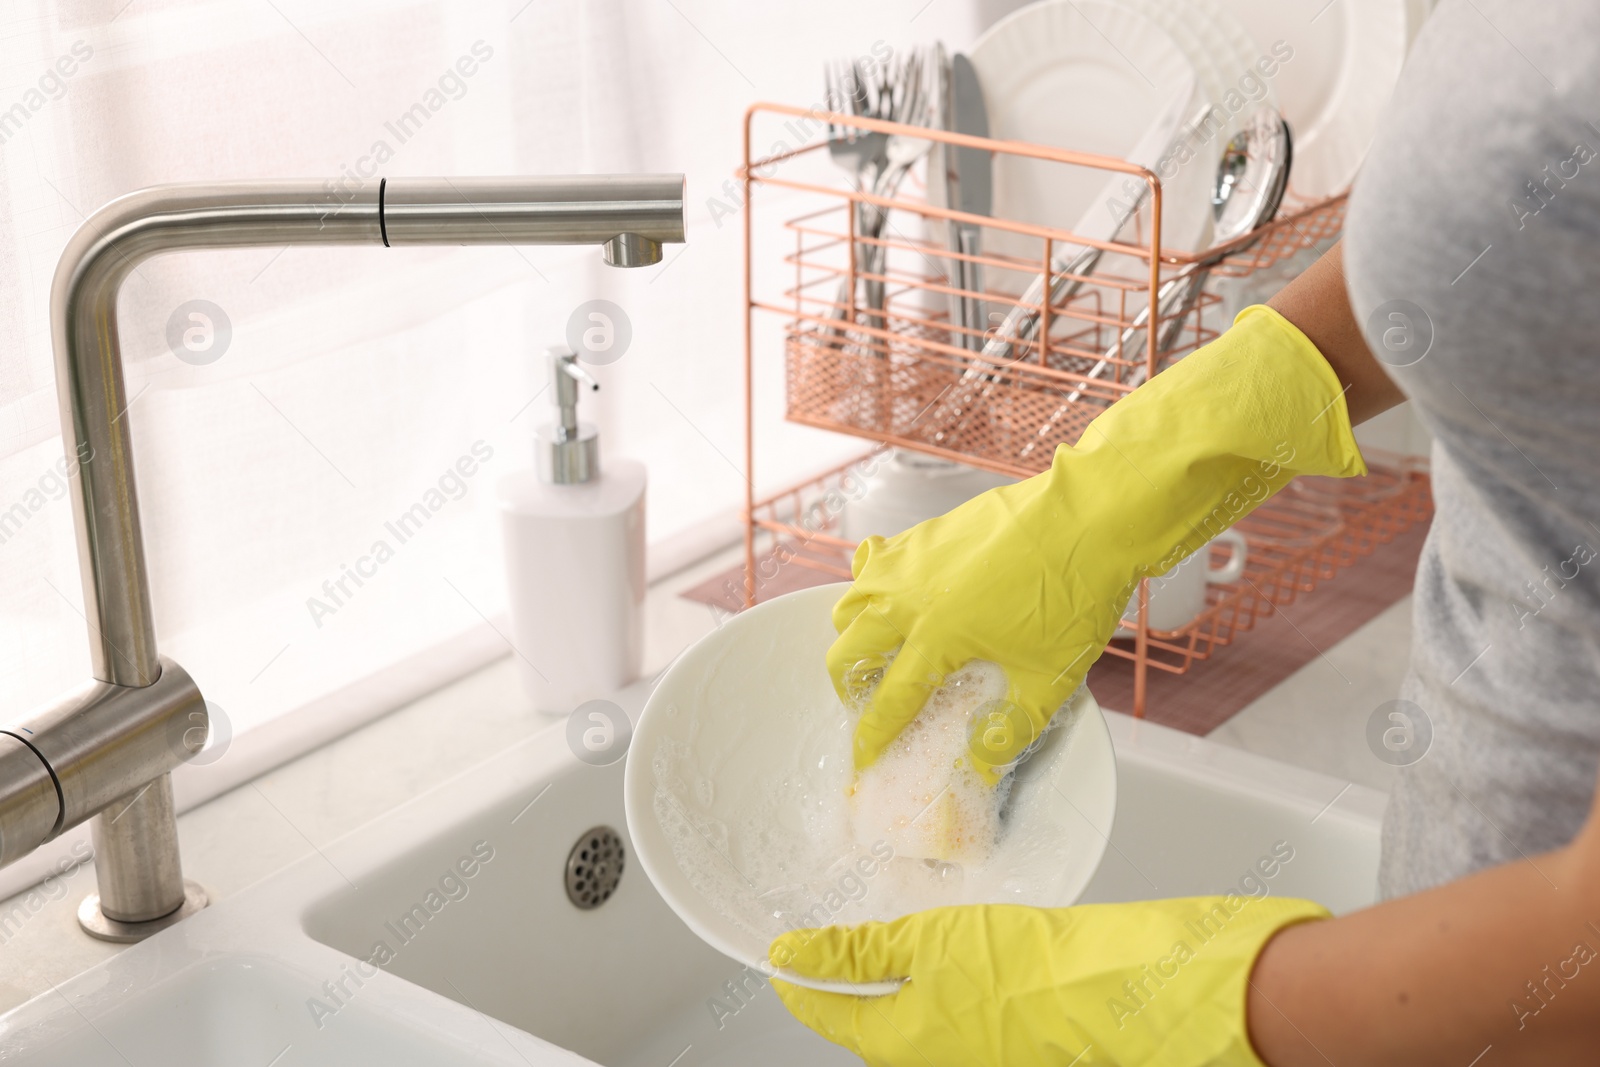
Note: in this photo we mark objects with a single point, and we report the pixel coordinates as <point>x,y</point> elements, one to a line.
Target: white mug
<point>908,487</point>
<point>1179,595</point>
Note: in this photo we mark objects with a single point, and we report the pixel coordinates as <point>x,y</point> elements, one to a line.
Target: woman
<point>1468,282</point>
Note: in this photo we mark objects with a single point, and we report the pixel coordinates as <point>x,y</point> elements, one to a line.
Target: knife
<point>971,189</point>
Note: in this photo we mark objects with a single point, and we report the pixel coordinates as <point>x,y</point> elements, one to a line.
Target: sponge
<point>923,794</point>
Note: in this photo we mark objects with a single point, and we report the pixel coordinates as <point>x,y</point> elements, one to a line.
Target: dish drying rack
<point>904,377</point>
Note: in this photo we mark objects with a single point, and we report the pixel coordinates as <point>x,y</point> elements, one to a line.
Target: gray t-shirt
<point>1476,218</point>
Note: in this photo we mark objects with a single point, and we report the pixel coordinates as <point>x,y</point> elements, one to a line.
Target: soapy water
<point>809,843</point>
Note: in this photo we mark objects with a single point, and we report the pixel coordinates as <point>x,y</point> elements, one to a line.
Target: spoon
<point>1258,159</point>
<point>1251,178</point>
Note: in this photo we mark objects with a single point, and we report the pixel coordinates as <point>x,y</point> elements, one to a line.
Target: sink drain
<point>594,867</point>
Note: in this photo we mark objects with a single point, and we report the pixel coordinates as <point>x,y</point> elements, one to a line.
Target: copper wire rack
<point>901,373</point>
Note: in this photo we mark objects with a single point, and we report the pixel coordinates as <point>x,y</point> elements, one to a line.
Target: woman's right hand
<point>1035,576</point>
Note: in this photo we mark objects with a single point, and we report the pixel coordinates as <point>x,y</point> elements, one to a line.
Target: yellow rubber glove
<point>1035,576</point>
<point>1160,983</point>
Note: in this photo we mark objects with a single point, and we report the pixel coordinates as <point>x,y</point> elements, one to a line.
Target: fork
<point>876,162</point>
<point>858,152</point>
<point>914,107</point>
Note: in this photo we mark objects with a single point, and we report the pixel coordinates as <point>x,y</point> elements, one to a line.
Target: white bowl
<point>737,769</point>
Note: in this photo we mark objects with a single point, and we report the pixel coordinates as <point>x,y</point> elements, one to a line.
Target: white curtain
<point>355,379</point>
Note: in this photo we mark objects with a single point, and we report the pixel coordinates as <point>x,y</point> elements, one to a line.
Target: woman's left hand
<point>1159,982</point>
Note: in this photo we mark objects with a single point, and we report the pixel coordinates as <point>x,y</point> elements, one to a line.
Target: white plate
<point>1187,186</point>
<point>723,783</point>
<point>1086,75</point>
<point>1236,53</point>
<point>1417,12</point>
<point>1223,56</point>
<point>1346,60</point>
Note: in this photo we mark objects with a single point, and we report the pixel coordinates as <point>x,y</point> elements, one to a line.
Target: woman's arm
<point>1504,965</point>
<point>1505,962</point>
<point>1319,303</point>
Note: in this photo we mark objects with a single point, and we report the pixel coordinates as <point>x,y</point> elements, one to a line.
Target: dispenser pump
<point>569,450</point>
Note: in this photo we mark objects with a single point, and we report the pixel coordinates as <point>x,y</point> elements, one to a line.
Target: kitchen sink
<point>626,984</point>
<point>445,932</point>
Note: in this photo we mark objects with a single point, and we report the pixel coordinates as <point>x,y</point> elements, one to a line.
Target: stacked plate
<point>1344,59</point>
<point>1099,75</point>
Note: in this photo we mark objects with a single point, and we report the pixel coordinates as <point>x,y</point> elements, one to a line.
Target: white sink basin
<point>460,899</point>
<point>174,1006</point>
<point>623,984</point>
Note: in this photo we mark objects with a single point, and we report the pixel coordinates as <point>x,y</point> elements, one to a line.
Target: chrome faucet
<point>106,750</point>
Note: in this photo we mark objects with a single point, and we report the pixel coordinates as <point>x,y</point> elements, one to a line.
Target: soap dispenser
<point>574,550</point>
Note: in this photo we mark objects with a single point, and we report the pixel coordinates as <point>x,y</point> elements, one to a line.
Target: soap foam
<point>923,794</point>
<point>818,845</point>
